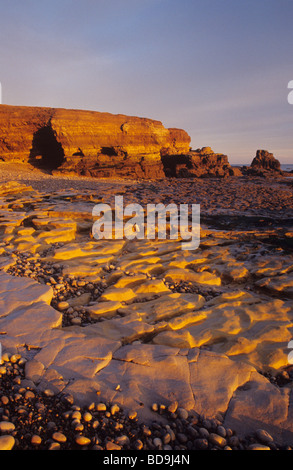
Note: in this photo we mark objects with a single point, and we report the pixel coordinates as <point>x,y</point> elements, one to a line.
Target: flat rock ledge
<point>81,362</point>
<point>162,325</point>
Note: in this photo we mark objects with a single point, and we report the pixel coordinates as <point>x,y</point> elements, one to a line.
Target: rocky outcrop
<point>264,164</point>
<point>199,163</point>
<point>87,142</point>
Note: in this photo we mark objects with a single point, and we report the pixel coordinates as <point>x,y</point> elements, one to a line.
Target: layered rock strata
<point>87,142</point>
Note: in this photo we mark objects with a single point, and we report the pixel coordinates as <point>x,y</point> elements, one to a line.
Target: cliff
<point>88,142</point>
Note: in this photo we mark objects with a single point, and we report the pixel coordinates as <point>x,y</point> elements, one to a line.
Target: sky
<point>217,68</point>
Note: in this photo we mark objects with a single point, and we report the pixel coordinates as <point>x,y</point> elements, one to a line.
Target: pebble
<point>36,440</point>
<point>138,445</point>
<point>54,446</point>
<point>5,357</point>
<point>173,407</point>
<point>123,440</point>
<point>263,436</point>
<point>112,446</point>
<point>114,409</point>
<point>221,431</point>
<point>182,438</point>
<point>76,415</point>
<point>82,441</point>
<point>155,407</point>
<point>63,305</point>
<point>101,407</point>
<point>182,413</point>
<point>6,426</point>
<point>132,414</point>
<point>217,440</point>
<point>6,442</point>
<point>59,437</point>
<point>234,441</point>
<point>29,395</point>
<point>204,432</point>
<point>87,417</point>
<point>158,443</point>
<point>181,430</point>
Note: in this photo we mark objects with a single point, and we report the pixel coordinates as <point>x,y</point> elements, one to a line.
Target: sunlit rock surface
<point>207,328</point>
<point>87,142</point>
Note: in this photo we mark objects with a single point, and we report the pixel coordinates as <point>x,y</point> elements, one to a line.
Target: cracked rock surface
<point>144,321</point>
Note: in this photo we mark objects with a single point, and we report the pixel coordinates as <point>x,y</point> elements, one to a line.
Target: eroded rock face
<point>264,164</point>
<point>87,142</point>
<point>199,163</point>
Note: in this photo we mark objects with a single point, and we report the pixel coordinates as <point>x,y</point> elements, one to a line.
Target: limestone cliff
<point>88,142</point>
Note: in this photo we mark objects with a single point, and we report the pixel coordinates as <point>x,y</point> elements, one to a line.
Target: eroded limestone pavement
<point>145,321</point>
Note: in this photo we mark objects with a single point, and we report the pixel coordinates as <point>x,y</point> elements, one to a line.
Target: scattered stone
<point>59,437</point>
<point>6,427</point>
<point>217,440</point>
<point>6,442</point>
<point>82,441</point>
<point>263,436</point>
<point>36,440</point>
<point>112,446</point>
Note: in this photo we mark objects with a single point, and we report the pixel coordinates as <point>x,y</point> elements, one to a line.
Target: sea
<point>284,166</point>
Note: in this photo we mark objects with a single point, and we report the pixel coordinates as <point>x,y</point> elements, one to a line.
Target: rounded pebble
<point>182,413</point>
<point>36,440</point>
<point>63,306</point>
<point>263,436</point>
<point>6,442</point>
<point>82,441</point>
<point>87,417</point>
<point>59,437</point>
<point>101,407</point>
<point>123,440</point>
<point>217,440</point>
<point>6,426</point>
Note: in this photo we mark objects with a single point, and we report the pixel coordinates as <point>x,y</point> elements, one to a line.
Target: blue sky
<point>217,68</point>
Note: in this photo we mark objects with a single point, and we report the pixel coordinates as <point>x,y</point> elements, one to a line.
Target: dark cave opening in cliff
<point>46,152</point>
